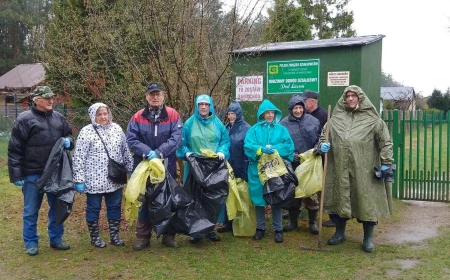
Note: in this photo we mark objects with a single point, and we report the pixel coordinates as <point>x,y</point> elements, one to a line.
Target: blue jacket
<point>237,132</point>
<point>203,133</point>
<point>163,135</point>
<point>259,135</point>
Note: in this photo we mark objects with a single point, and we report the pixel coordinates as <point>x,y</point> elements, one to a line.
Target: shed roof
<point>311,44</point>
<point>397,93</point>
<point>23,76</point>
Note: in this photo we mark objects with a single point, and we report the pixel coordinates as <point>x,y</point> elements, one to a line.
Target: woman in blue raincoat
<point>237,129</point>
<point>266,136</point>
<point>204,130</point>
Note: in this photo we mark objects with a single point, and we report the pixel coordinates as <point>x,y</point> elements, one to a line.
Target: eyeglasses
<point>155,93</point>
<point>203,104</point>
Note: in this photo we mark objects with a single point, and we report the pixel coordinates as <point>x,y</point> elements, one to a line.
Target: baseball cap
<point>310,94</point>
<point>154,87</point>
<point>42,91</point>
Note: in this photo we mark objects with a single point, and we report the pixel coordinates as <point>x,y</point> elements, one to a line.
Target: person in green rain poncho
<point>203,130</point>
<point>266,136</point>
<point>359,140</point>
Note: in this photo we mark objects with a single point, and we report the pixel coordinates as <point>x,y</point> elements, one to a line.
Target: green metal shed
<point>276,71</point>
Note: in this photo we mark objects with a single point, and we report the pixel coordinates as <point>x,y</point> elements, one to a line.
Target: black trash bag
<point>57,178</point>
<point>64,205</point>
<point>207,184</point>
<point>280,191</point>
<point>166,201</point>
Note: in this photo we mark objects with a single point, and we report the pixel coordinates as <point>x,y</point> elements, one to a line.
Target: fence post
<point>397,144</point>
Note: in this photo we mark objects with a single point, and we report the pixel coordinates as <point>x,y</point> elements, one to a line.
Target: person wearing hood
<point>266,136</point>
<point>204,130</point>
<point>90,171</point>
<point>154,132</point>
<point>237,129</point>
<point>359,140</point>
<point>305,132</point>
<point>33,136</point>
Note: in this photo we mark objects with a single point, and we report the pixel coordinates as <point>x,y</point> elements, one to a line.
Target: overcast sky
<point>416,49</point>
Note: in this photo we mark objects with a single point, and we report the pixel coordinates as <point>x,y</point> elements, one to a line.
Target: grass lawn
<point>232,258</point>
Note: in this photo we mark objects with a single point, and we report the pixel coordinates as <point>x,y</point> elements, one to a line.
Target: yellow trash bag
<point>309,174</point>
<point>245,222</point>
<point>270,166</point>
<point>135,190</point>
<point>233,201</point>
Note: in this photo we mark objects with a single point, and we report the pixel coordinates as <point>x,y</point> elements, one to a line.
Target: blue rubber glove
<point>384,167</point>
<point>66,143</point>
<point>19,183</point>
<point>325,147</point>
<point>79,187</point>
<point>151,155</point>
<point>267,150</point>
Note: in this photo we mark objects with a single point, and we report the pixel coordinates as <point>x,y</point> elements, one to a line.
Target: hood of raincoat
<point>93,110</point>
<point>211,107</point>
<point>236,108</point>
<point>266,105</point>
<point>296,100</point>
<point>341,112</point>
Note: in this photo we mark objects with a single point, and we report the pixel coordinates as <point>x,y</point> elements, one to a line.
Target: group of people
<point>359,140</point>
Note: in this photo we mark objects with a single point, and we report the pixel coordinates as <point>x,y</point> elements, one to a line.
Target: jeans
<point>113,202</point>
<point>276,218</point>
<point>32,201</point>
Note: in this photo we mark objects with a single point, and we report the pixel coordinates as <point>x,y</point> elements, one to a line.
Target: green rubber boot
<point>368,245</point>
<point>339,235</point>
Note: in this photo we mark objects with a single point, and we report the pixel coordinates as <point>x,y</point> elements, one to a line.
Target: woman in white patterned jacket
<point>90,171</point>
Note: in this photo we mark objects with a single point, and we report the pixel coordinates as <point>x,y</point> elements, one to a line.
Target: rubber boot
<point>293,220</point>
<point>313,228</point>
<point>368,244</point>
<point>94,232</point>
<point>114,226</point>
<point>339,235</point>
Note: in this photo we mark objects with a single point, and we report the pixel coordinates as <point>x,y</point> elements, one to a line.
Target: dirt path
<point>420,221</point>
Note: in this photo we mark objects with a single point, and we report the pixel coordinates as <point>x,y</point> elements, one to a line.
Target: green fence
<point>421,153</point>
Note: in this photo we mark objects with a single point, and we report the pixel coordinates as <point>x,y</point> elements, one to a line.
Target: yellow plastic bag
<point>245,222</point>
<point>270,166</point>
<point>309,174</point>
<point>233,201</point>
<point>136,185</point>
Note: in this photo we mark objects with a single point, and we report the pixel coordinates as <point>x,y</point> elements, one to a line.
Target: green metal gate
<point>421,153</point>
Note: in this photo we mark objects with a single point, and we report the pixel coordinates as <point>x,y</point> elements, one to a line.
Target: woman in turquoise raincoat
<point>266,136</point>
<point>204,130</point>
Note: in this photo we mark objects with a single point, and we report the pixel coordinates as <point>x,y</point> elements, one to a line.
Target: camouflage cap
<point>42,91</point>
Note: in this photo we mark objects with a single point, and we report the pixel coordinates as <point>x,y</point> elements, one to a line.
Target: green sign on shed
<point>276,71</point>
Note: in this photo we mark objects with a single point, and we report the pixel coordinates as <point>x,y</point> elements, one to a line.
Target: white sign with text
<point>338,79</point>
<point>249,88</point>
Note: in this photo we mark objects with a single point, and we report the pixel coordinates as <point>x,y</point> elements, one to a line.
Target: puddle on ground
<point>407,263</point>
<point>420,221</point>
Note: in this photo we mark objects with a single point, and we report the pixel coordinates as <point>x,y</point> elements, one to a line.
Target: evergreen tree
<point>286,23</point>
<point>328,18</point>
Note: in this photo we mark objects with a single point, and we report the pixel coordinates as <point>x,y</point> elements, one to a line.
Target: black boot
<point>227,226</point>
<point>313,228</point>
<point>114,233</point>
<point>259,234</point>
<point>368,244</point>
<point>293,220</point>
<point>278,237</point>
<point>339,235</point>
<point>94,232</point>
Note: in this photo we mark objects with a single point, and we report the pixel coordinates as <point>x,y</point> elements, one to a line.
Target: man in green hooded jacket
<point>359,140</point>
